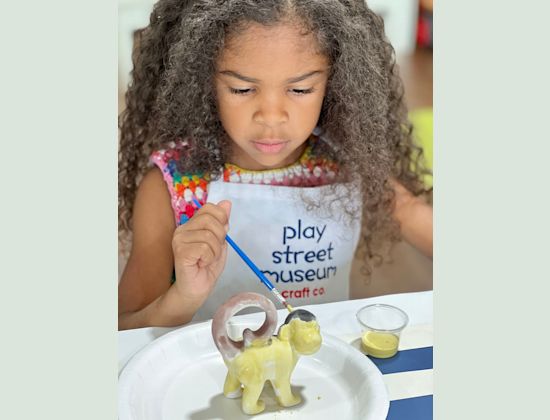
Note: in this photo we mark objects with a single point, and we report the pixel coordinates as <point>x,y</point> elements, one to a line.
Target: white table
<point>338,319</point>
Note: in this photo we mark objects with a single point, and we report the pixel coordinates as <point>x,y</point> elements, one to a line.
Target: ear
<point>285,332</point>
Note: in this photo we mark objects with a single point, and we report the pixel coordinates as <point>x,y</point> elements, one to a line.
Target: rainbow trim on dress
<point>309,171</point>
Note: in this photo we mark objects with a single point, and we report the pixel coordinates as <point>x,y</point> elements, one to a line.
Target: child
<point>287,116</point>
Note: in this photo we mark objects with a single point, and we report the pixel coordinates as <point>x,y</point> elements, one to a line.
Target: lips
<point>270,146</point>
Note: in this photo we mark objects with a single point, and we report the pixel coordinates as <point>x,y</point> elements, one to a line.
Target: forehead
<point>282,47</point>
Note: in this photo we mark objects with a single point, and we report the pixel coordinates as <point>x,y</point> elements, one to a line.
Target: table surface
<point>408,375</point>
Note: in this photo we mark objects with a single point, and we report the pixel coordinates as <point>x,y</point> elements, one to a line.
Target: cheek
<point>225,107</point>
<point>307,114</point>
<point>319,100</point>
<point>313,105</point>
<point>224,103</point>
<point>224,110</point>
<point>232,118</point>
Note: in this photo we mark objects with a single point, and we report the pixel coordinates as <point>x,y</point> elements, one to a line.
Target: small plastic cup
<point>382,325</point>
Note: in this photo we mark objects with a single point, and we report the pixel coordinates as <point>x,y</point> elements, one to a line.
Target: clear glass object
<point>382,326</point>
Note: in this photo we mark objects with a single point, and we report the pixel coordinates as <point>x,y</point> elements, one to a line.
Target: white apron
<point>306,255</point>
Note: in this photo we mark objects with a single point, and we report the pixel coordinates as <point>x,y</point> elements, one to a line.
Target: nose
<point>271,110</point>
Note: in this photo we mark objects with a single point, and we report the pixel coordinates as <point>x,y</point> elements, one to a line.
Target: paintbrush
<point>253,267</point>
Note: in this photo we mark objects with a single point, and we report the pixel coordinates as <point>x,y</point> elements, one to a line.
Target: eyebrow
<point>252,80</point>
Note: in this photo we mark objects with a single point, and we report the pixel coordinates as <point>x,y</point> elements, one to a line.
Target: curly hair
<point>171,96</point>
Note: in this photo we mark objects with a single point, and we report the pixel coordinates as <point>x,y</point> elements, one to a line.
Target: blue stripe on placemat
<point>406,360</point>
<point>418,408</point>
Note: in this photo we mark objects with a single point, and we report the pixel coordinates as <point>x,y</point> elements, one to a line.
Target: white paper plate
<point>181,374</point>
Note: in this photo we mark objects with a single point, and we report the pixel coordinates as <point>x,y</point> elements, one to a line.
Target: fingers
<point>195,253</point>
<point>219,211</point>
<point>204,241</point>
<point>223,253</point>
<point>226,205</point>
<point>208,222</point>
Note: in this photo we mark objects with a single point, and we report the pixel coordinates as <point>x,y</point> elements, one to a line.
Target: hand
<point>200,252</point>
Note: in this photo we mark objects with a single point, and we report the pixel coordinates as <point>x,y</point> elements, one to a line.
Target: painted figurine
<point>261,356</point>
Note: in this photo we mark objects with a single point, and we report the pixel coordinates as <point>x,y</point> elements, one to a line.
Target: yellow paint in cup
<point>382,325</point>
<point>380,344</point>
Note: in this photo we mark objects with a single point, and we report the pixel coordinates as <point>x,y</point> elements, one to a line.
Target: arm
<point>196,250</point>
<point>415,217</point>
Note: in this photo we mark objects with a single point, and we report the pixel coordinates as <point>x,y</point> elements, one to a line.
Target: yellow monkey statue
<point>260,356</point>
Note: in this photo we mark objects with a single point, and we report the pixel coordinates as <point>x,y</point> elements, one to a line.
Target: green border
<point>492,208</point>
<point>59,171</point>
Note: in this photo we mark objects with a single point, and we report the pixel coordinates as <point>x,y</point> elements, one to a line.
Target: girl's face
<point>270,85</point>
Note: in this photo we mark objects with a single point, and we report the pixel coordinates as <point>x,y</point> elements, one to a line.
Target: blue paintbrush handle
<point>248,262</point>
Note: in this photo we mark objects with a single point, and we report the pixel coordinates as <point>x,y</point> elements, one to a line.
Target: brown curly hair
<point>171,96</point>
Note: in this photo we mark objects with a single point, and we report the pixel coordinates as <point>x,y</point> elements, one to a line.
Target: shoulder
<point>152,205</point>
<point>152,178</point>
<point>152,184</point>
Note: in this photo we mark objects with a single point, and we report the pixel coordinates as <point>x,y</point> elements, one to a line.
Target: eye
<point>240,91</point>
<point>302,91</point>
